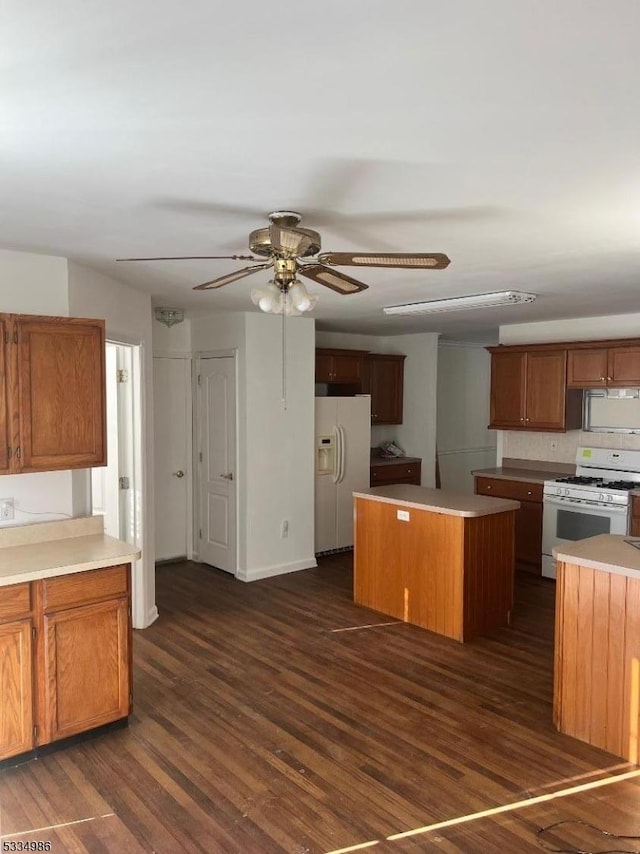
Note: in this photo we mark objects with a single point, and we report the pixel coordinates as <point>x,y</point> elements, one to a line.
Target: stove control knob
<point>601,497</point>
<point>567,492</point>
<point>609,497</point>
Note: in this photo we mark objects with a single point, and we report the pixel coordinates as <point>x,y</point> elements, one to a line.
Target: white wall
<point>561,447</point>
<point>128,319</point>
<point>36,284</point>
<point>464,442</point>
<point>417,433</point>
<point>171,339</point>
<point>275,446</point>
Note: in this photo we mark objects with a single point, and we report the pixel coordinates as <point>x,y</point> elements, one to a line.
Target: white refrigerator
<point>342,460</point>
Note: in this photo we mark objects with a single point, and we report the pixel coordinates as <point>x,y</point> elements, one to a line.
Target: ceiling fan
<point>287,246</point>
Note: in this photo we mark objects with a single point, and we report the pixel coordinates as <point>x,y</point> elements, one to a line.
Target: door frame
<point>189,444</point>
<point>197,423</point>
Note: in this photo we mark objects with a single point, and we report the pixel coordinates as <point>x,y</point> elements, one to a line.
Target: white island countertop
<point>606,552</point>
<point>438,500</point>
<point>46,549</point>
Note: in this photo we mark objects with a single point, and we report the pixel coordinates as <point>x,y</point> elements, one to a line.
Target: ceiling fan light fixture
<point>293,300</point>
<point>462,303</point>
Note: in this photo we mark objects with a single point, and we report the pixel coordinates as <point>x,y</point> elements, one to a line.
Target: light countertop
<point>438,500</point>
<point>606,552</point>
<point>32,552</point>
<point>526,475</point>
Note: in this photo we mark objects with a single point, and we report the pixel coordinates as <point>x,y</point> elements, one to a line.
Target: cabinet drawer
<point>82,587</point>
<point>518,490</point>
<point>15,601</point>
<point>396,473</point>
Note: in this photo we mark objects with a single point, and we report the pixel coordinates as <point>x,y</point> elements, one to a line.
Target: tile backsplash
<point>561,447</point>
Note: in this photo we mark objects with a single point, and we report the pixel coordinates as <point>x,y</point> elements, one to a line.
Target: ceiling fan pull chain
<point>285,296</point>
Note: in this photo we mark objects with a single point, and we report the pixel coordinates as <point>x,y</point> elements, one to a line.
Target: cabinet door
<point>624,366</point>
<point>86,668</point>
<point>586,368</point>
<point>386,380</point>
<point>16,688</point>
<point>528,536</point>
<point>5,380</point>
<point>546,390</point>
<point>61,393</point>
<point>347,368</point>
<point>507,390</point>
<point>323,367</point>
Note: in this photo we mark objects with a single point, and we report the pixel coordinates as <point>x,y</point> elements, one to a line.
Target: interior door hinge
<point>15,336</point>
<point>200,455</point>
<point>200,533</point>
<point>6,337</point>
<point>35,732</point>
<point>124,483</point>
<point>122,375</point>
<point>199,379</point>
<point>33,632</point>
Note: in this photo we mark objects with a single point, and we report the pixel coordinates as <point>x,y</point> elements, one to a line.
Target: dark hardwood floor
<point>264,722</point>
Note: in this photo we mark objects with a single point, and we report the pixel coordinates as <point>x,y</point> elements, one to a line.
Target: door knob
<point>178,473</point>
<point>227,476</point>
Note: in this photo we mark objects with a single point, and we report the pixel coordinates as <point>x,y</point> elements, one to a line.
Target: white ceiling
<point>503,133</point>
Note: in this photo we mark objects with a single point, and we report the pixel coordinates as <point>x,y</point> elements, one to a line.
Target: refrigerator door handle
<point>338,454</point>
<point>343,449</point>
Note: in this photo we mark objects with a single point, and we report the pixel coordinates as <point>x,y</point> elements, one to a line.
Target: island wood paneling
<point>597,658</point>
<point>450,574</point>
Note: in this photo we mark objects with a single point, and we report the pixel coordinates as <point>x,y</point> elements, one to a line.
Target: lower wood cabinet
<point>528,533</point>
<point>634,525</point>
<point>66,662</point>
<point>16,673</point>
<point>401,472</point>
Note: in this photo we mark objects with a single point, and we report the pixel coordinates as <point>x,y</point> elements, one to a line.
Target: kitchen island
<point>596,695</point>
<point>65,632</point>
<point>438,559</point>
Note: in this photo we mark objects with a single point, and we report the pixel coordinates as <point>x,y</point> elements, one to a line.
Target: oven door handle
<point>586,508</point>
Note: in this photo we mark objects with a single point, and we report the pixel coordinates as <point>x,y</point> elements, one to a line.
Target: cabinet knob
<point>609,379</point>
<point>527,419</point>
<point>409,471</point>
<point>529,493</point>
<point>522,419</point>
<point>488,487</point>
<point>603,379</point>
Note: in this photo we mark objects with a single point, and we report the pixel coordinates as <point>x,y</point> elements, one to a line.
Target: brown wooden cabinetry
<point>603,366</point>
<point>340,366</point>
<point>55,395</point>
<point>634,525</point>
<point>82,654</point>
<point>529,391</point>
<point>528,533</point>
<point>5,421</point>
<point>385,383</point>
<point>402,471</point>
<point>16,671</point>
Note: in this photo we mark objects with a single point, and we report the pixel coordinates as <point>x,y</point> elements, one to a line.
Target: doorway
<point>216,480</point>
<point>115,488</point>
<point>172,429</point>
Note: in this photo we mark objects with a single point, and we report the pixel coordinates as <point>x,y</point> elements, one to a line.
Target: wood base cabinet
<point>403,471</point>
<point>66,663</point>
<point>528,535</point>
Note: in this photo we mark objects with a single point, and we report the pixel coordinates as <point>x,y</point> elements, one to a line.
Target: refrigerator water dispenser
<point>325,454</point>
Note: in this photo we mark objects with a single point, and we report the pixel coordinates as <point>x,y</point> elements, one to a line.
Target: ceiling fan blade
<point>338,282</point>
<point>432,260</point>
<point>289,241</point>
<point>231,277</point>
<point>195,258</point>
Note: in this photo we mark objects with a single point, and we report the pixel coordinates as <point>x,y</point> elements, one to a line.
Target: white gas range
<point>596,500</point>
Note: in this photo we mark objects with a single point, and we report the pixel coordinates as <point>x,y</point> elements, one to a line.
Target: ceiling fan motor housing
<point>260,239</point>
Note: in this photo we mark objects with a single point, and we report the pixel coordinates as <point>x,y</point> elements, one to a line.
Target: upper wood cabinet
<point>340,366</point>
<point>529,391</point>
<point>55,394</point>
<point>5,384</point>
<point>385,383</point>
<point>603,366</point>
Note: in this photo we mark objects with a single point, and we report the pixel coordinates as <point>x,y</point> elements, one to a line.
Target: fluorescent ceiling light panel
<point>461,303</point>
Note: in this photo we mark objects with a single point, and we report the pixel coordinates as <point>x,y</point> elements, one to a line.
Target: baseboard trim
<point>152,616</point>
<point>276,569</point>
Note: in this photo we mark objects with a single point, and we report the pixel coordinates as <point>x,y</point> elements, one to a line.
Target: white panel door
<point>354,427</point>
<point>171,425</point>
<point>217,469</point>
<point>325,484</point>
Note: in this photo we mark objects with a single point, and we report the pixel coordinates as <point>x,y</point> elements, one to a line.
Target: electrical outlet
<point>7,510</point>
<point>284,531</point>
